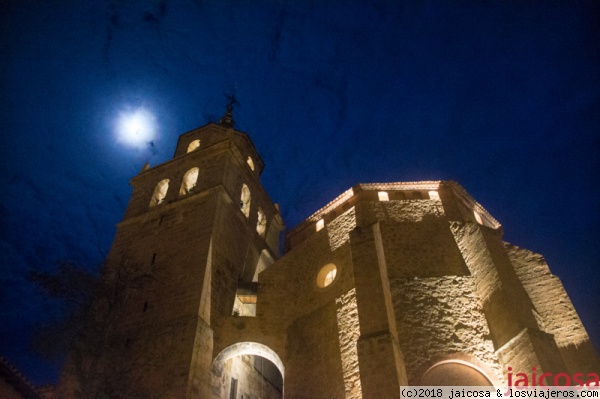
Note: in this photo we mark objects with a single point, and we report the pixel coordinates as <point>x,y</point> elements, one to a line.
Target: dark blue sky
<point>503,97</point>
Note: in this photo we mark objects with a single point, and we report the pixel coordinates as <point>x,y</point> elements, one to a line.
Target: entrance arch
<point>247,363</point>
<point>455,372</point>
<point>249,348</point>
<point>457,369</point>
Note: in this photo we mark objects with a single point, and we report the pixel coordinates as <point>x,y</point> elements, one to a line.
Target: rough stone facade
<point>387,285</point>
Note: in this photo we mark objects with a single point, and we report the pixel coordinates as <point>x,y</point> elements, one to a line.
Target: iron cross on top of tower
<point>227,119</point>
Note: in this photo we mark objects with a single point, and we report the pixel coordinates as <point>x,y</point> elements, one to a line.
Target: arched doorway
<point>248,369</point>
<point>455,372</point>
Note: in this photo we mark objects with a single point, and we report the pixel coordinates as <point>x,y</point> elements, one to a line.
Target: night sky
<point>503,97</point>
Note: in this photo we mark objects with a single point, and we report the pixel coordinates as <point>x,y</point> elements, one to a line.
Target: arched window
<point>189,181</point>
<point>250,163</point>
<point>326,275</point>
<point>194,145</point>
<point>261,223</point>
<point>160,192</point>
<point>245,201</point>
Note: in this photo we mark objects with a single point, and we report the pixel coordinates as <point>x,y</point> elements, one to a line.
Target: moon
<point>136,128</point>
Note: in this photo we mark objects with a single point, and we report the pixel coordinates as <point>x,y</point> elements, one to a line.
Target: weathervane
<point>227,119</point>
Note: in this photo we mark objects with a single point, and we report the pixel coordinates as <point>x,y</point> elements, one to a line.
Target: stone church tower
<point>389,284</point>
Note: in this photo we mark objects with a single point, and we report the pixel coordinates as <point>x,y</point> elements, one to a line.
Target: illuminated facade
<point>389,284</point>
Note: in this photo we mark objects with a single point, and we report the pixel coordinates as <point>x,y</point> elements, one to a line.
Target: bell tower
<point>197,231</point>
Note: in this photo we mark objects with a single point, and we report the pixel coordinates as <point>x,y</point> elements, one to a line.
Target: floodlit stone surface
<point>440,315</point>
<point>557,315</point>
<point>349,332</point>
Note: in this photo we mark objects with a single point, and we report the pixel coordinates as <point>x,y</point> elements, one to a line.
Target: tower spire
<point>227,119</point>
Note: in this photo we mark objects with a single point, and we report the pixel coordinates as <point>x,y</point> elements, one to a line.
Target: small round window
<point>326,275</point>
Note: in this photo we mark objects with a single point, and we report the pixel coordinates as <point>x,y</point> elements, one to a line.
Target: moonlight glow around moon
<point>136,128</point>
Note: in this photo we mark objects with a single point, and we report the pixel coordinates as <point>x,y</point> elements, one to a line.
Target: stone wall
<point>549,297</point>
<point>349,332</point>
<point>400,211</point>
<point>440,315</point>
<point>371,210</point>
<point>164,252</point>
<point>477,258</point>
<point>313,359</point>
<point>557,313</point>
<point>421,249</point>
<point>338,230</point>
<point>288,288</point>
